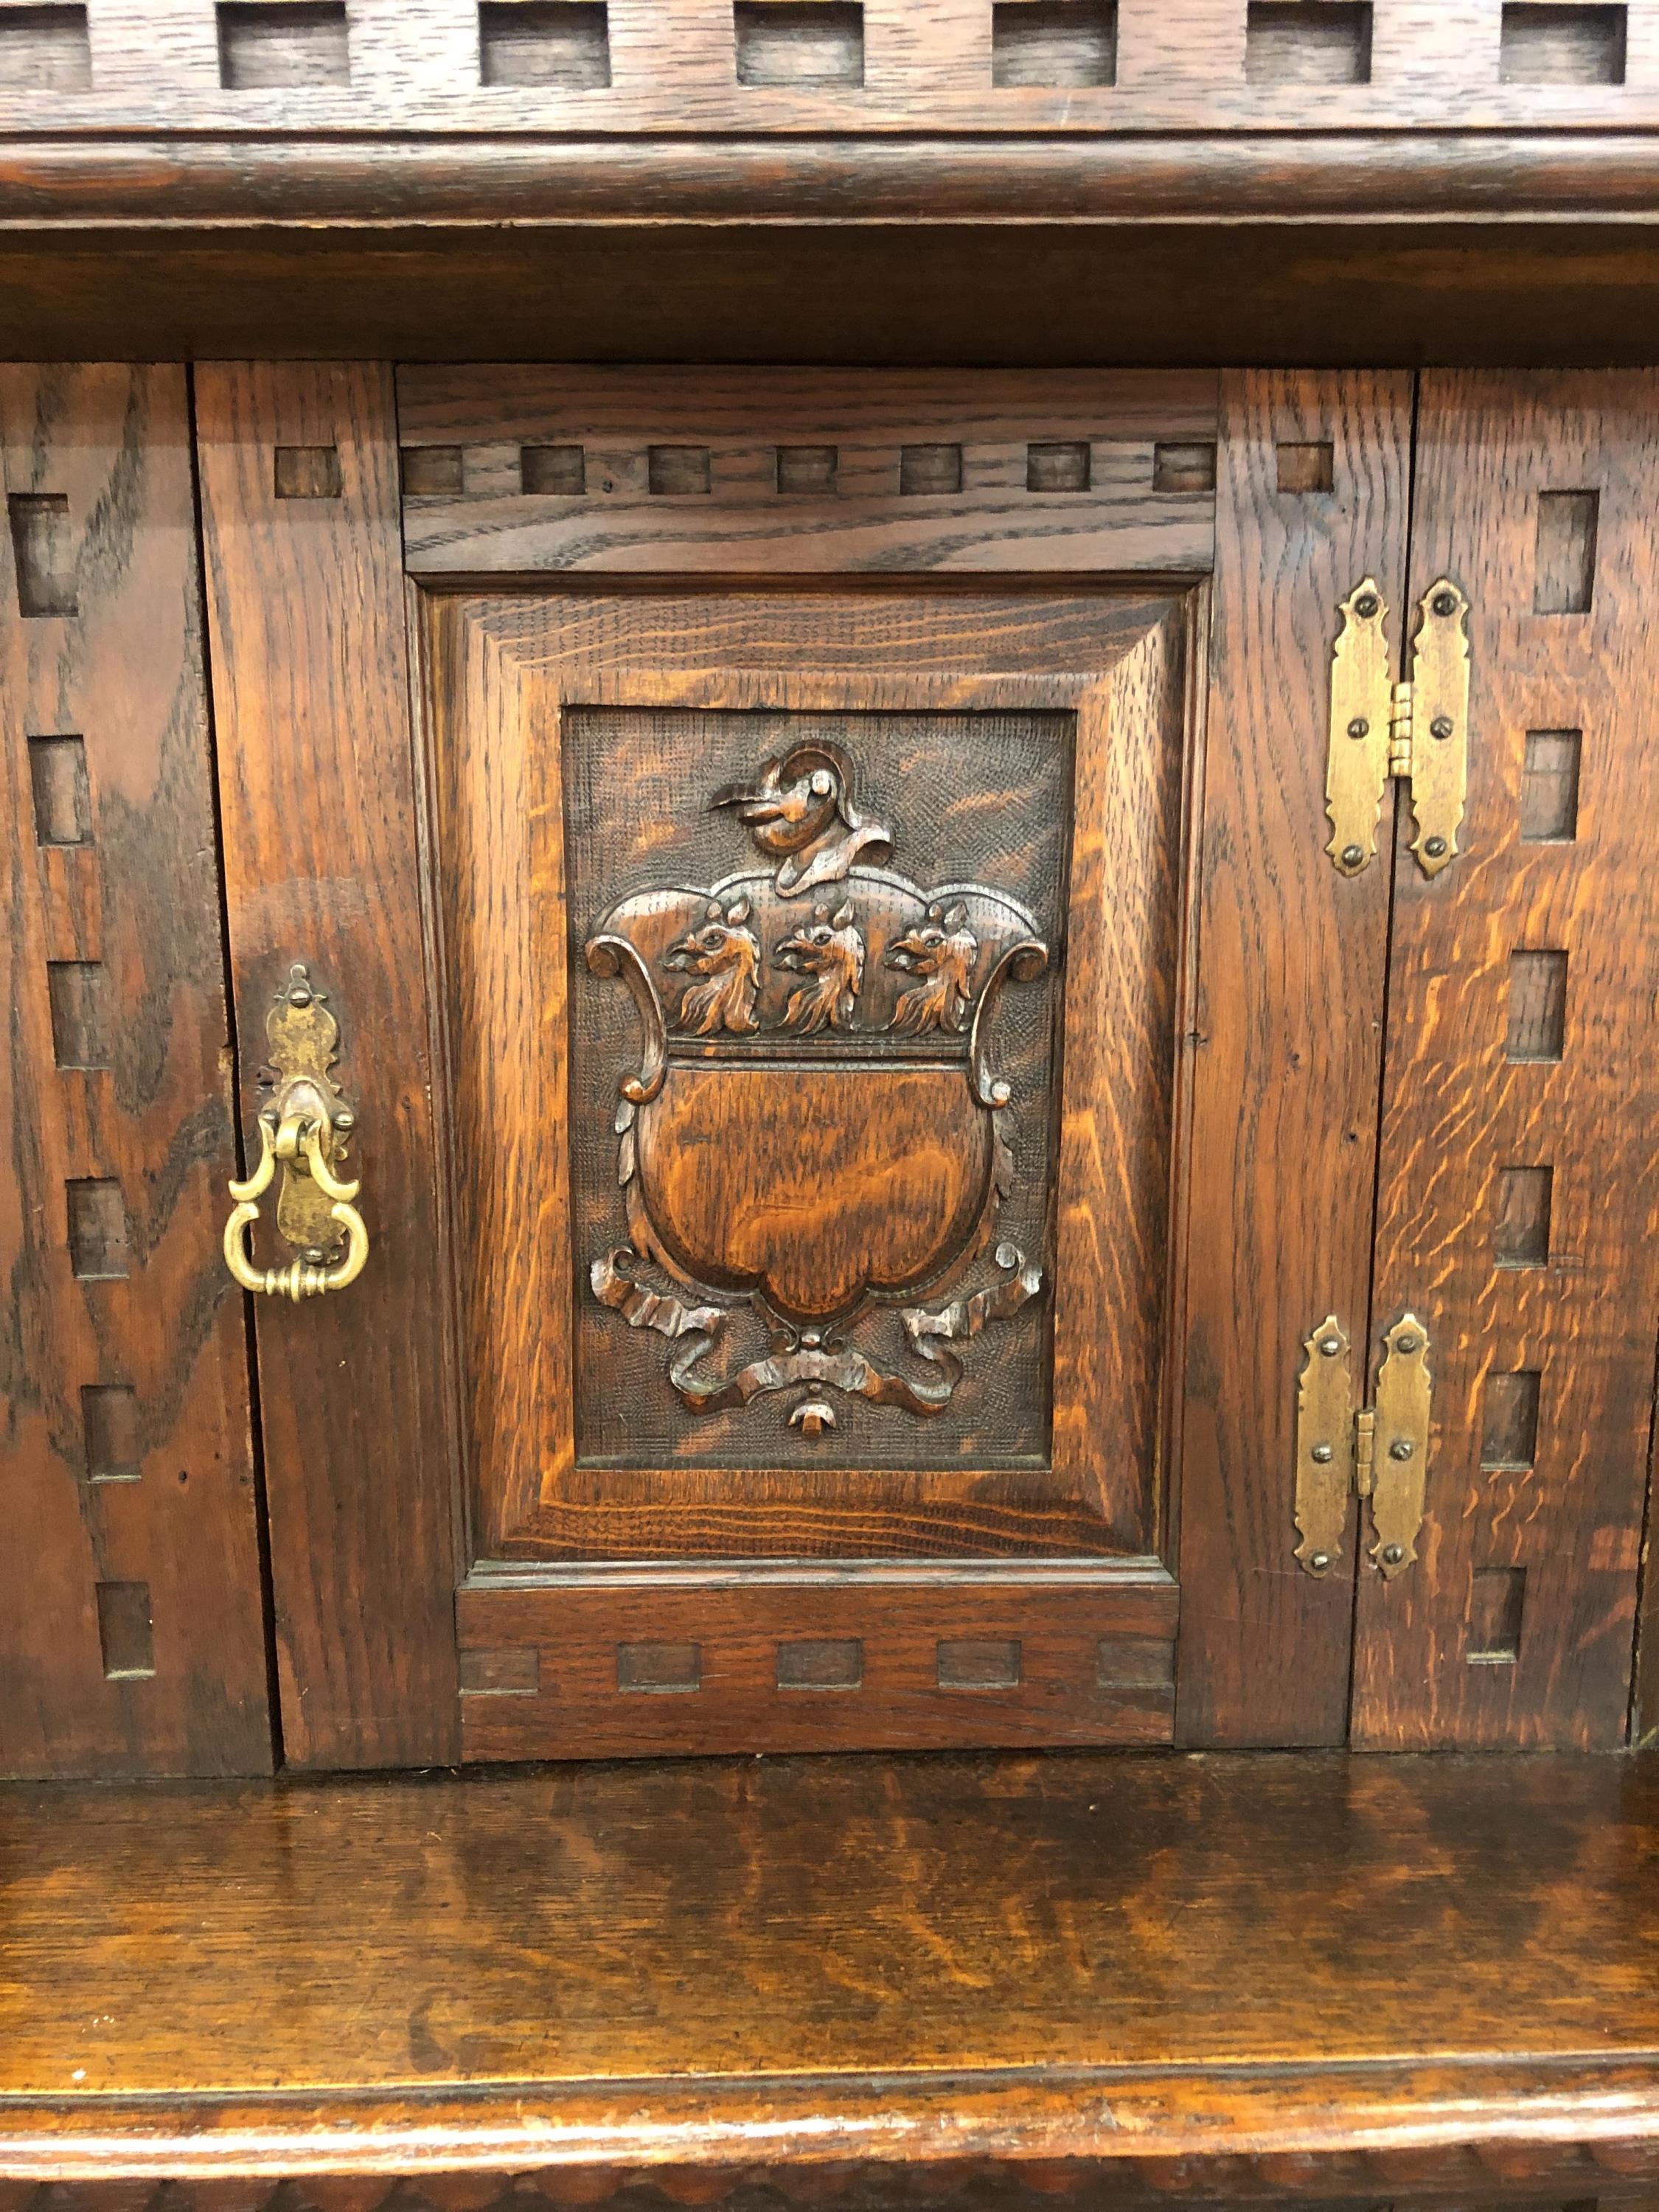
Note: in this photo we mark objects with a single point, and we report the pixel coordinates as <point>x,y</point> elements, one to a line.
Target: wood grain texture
<point>675,65</point>
<point>504,673</point>
<point>718,1966</point>
<point>1286,1049</point>
<point>318,795</point>
<point>125,1453</point>
<point>977,512</point>
<point>1550,1474</point>
<point>1036,292</point>
<point>1056,1658</point>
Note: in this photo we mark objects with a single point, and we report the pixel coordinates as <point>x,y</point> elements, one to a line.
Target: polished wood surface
<point>1033,292</point>
<point>1285,1045</point>
<point>1332,1976</point>
<point>1521,1023</point>
<point>319,805</point>
<point>132,1603</point>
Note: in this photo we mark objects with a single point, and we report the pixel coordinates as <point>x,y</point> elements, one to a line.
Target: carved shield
<point>814,1124</point>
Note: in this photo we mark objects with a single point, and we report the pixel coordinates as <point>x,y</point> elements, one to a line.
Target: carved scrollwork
<point>815,1130</point>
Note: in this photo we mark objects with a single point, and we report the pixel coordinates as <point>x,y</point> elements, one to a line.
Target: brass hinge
<point>1378,1453</point>
<point>1416,730</point>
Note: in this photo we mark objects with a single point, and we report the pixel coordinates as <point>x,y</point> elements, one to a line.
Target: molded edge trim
<point>1391,2125</point>
<point>165,181</point>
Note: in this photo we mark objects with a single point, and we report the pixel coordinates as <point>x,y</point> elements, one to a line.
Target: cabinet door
<point>1519,1185</point>
<point>852,1108</point>
<point>129,1582</point>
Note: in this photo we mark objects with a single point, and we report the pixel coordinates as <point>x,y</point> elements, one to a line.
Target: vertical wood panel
<point>305,601</point>
<point>1546,1476</point>
<point>125,1456</point>
<point>1285,1056</point>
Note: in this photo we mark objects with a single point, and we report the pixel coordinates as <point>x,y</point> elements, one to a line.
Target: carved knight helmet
<point>800,812</point>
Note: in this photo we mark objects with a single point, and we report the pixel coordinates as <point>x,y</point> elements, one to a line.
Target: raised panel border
<point>491,826</point>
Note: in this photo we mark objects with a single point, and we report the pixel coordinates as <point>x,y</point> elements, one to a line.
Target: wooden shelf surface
<point>1129,1957</point>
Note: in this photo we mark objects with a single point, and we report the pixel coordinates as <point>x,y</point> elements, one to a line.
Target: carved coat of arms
<point>814,1126</point>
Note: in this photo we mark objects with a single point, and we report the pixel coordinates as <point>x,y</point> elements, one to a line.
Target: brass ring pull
<point>304,1130</point>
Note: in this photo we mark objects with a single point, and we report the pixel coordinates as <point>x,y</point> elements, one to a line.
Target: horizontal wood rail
<point>1505,177</point>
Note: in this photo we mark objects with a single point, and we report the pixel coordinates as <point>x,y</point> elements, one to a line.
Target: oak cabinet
<point>867,1118</point>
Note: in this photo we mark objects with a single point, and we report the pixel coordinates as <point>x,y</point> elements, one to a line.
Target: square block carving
<point>1561,42</point>
<point>1053,42</point>
<point>269,45</point>
<point>1304,42</point>
<point>798,42</point>
<point>838,1118</point>
<point>560,45</point>
<point>44,48</point>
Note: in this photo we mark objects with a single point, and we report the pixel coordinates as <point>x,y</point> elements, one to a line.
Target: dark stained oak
<point>1041,290</point>
<point>319,805</point>
<point>1285,1047</point>
<point>632,1663</point>
<point>508,677</point>
<point>1521,1035</point>
<point>622,1260</point>
<point>129,1583</point>
<point>1028,472</point>
<point>1269,1977</point>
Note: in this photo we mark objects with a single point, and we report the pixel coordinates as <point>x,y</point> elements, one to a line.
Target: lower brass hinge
<point>1417,730</point>
<point>1378,1453</point>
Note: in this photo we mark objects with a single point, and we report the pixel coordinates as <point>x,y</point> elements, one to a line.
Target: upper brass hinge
<point>1417,730</point>
<point>1377,1453</point>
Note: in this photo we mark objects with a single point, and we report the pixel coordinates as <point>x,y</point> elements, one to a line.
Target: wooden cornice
<point>163,183</point>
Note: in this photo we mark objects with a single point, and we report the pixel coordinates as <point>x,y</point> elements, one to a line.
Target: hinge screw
<point>1435,848</point>
<point>1444,604</point>
<point>1408,1344</point>
<point>1351,856</point>
<point>1401,1447</point>
<point>1319,1561</point>
<point>1393,1553</point>
<point>1441,727</point>
<point>1322,1453</point>
<point>1359,728</point>
<point>1365,606</point>
<point>1330,1346</point>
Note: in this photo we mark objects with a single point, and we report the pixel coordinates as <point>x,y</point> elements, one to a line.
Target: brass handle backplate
<point>304,1130</point>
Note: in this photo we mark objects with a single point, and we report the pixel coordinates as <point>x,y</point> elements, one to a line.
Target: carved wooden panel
<point>521,471</point>
<point>134,1631</point>
<point>812,979</point>
<point>1520,1191</point>
<point>815,1126</point>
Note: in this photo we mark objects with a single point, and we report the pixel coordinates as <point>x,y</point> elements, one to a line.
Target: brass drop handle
<point>303,1130</point>
<point>296,1138</point>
